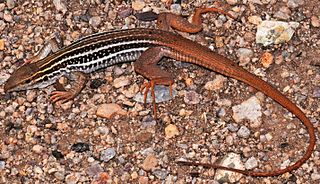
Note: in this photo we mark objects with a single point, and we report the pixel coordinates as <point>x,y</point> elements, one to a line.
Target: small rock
<point>94,170</point>
<point>95,21</point>
<point>31,95</point>
<point>256,20</point>
<point>160,173</point>
<point>109,110</point>
<point>11,4</point>
<point>72,178</point>
<point>249,109</point>
<point>266,59</point>
<point>232,2</point>
<point>124,12</point>
<point>216,84</point>
<point>315,176</point>
<point>37,149</point>
<point>7,17</point>
<point>171,131</point>
<point>59,175</point>
<point>2,165</point>
<point>191,97</point>
<point>276,32</point>
<point>244,55</point>
<point>284,13</point>
<point>251,163</point>
<point>316,92</point>
<point>138,5</point>
<point>96,83</point>
<point>60,6</point>
<point>243,132</point>
<point>1,44</point>
<point>57,154</point>
<point>295,3</point>
<point>80,147</point>
<point>121,82</point>
<point>107,154</point>
<point>315,22</point>
<point>162,94</point>
<point>231,160</point>
<point>149,163</point>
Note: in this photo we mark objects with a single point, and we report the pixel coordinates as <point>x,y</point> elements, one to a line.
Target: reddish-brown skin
<point>179,48</point>
<point>146,65</point>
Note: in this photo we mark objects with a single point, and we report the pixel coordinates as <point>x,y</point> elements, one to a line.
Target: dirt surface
<point>41,142</point>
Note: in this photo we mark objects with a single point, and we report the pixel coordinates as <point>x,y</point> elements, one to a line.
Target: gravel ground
<point>105,136</point>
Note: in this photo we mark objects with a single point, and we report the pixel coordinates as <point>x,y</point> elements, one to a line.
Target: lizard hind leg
<point>166,21</point>
<point>146,65</point>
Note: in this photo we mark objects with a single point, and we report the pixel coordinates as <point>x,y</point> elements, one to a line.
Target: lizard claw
<point>61,96</point>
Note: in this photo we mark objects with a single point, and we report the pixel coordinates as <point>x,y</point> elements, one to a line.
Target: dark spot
<point>57,154</point>
<point>96,83</point>
<point>80,147</point>
<point>284,145</point>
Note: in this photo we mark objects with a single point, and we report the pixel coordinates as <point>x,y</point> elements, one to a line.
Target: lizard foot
<point>61,96</point>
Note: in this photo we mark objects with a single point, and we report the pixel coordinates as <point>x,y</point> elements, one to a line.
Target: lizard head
<point>24,78</point>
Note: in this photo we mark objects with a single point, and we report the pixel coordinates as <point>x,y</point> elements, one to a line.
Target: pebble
<point>216,84</point>
<point>2,25</point>
<point>294,3</point>
<point>59,175</point>
<point>72,178</point>
<point>2,165</point>
<point>150,162</point>
<point>138,5</point>
<point>249,109</point>
<point>160,173</point>
<point>191,97</point>
<point>96,83</point>
<point>231,160</point>
<point>7,17</point>
<point>31,95</point>
<point>245,55</point>
<point>57,154</point>
<point>316,92</point>
<point>266,59</point>
<point>232,2</point>
<point>107,154</point>
<point>61,7</point>
<point>315,22</point>
<point>275,32</point>
<point>2,44</point>
<point>95,21</point>
<point>109,110</point>
<point>37,149</point>
<point>283,13</point>
<point>121,82</point>
<point>315,176</point>
<point>256,20</point>
<point>243,132</point>
<point>251,163</point>
<point>171,131</point>
<point>162,94</point>
<point>80,147</point>
<point>11,4</point>
<point>94,170</point>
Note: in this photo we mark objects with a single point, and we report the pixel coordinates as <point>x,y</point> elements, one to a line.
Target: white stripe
<point>109,56</point>
<point>97,50</point>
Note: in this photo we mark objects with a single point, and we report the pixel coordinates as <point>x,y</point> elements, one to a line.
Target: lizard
<point>146,46</point>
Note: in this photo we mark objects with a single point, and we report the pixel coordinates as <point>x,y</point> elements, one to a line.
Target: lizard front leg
<point>63,96</point>
<point>146,65</point>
